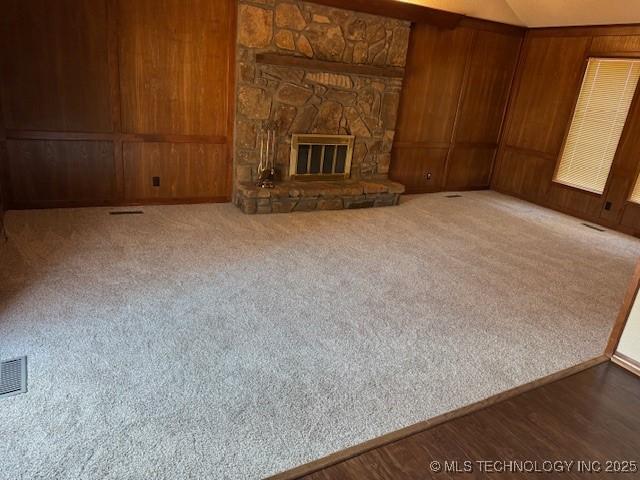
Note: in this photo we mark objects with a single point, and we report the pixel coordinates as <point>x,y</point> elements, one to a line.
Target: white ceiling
<point>543,13</point>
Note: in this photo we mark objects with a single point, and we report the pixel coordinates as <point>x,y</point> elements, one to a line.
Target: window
<point>600,114</point>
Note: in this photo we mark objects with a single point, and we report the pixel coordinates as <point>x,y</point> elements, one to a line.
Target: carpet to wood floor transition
<point>197,342</point>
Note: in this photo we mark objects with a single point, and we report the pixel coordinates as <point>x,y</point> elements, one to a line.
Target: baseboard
<point>627,363</point>
<point>346,454</point>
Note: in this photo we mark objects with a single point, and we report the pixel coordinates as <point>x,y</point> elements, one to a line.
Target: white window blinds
<point>600,114</point>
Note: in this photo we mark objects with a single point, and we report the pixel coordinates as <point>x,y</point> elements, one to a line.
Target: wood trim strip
<point>515,77</point>
<point>586,30</point>
<point>623,314</point>
<point>45,135</point>
<point>627,363</point>
<point>122,137</point>
<point>357,450</point>
<point>118,203</point>
<point>113,59</point>
<point>557,184</point>
<point>528,151</point>
<point>491,26</point>
<point>516,84</point>
<point>430,145</point>
<point>326,66</point>
<point>231,94</point>
<point>401,10</point>
<point>487,145</point>
<point>163,138</point>
<point>464,85</point>
<point>4,171</point>
<point>630,54</point>
<point>113,46</point>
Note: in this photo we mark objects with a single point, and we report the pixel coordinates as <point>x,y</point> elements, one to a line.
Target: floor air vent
<point>13,377</point>
<point>455,195</point>
<point>126,212</point>
<point>594,227</point>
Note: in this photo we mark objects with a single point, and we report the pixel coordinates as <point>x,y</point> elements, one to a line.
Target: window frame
<point>632,186</point>
<point>634,100</point>
<point>636,174</point>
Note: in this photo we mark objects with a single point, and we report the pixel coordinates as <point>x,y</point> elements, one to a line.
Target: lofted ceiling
<point>543,13</point>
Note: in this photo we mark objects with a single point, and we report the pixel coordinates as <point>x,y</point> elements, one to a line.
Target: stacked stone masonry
<point>310,101</point>
<point>307,196</point>
<point>305,101</point>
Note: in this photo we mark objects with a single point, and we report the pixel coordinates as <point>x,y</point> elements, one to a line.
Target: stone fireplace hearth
<point>346,80</point>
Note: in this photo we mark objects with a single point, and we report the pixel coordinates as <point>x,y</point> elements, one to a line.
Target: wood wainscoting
<point>100,96</point>
<point>453,102</point>
<point>552,64</point>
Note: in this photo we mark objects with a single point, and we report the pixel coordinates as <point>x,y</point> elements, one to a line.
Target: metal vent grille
<point>13,377</point>
<point>126,212</point>
<point>593,227</point>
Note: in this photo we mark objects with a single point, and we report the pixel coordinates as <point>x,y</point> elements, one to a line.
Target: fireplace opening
<point>321,157</point>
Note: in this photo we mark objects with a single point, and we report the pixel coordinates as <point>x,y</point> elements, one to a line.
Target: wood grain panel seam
<point>586,30</point>
<point>505,110</point>
<point>464,84</point>
<point>123,137</point>
<point>508,122</point>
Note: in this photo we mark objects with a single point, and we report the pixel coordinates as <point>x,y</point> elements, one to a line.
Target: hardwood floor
<point>590,417</point>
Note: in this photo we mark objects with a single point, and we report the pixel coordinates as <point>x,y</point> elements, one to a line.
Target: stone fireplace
<point>313,69</point>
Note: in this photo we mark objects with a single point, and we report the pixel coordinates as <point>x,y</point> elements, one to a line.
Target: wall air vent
<point>126,212</point>
<point>13,377</point>
<point>594,227</point>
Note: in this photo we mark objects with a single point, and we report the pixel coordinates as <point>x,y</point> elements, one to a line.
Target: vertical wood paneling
<point>82,77</point>
<point>54,64</point>
<point>183,170</point>
<point>454,98</point>
<point>631,217</point>
<point>492,66</point>
<point>3,170</point>
<point>61,172</point>
<point>173,66</point>
<point>551,74</point>
<point>435,67</point>
<point>469,167</point>
<point>411,163</point>
<point>538,120</point>
<point>616,44</point>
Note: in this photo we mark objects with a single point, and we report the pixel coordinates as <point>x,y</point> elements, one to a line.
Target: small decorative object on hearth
<point>266,168</point>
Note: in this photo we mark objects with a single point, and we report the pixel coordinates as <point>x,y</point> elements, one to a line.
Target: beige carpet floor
<point>197,342</point>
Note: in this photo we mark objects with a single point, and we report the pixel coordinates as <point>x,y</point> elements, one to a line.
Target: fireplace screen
<point>321,156</point>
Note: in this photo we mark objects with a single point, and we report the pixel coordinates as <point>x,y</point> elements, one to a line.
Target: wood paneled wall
<point>3,156</point>
<point>547,85</point>
<point>100,96</point>
<point>453,103</point>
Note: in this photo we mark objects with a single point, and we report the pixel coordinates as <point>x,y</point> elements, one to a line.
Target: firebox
<point>321,157</point>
